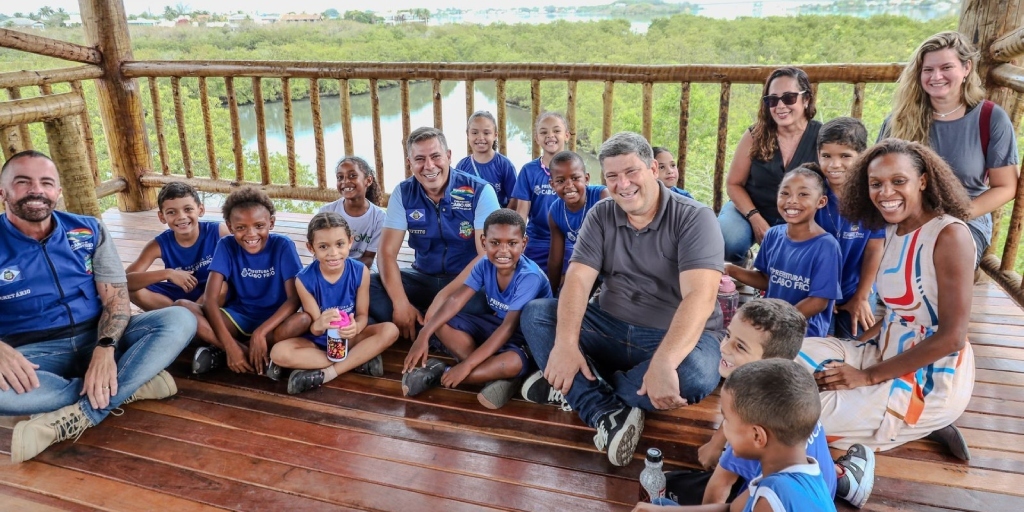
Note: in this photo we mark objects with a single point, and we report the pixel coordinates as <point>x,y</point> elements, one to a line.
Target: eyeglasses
<point>787,98</point>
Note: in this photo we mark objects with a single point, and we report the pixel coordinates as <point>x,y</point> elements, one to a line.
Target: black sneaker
<point>951,437</point>
<point>374,367</point>
<point>304,380</point>
<point>619,432</point>
<point>208,358</point>
<point>421,379</point>
<point>273,371</point>
<point>858,476</point>
<point>536,389</point>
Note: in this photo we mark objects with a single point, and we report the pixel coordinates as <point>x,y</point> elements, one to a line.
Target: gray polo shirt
<point>641,267</point>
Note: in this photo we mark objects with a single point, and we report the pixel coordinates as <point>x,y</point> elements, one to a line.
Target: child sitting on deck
<point>259,269</point>
<point>769,411</point>
<point>358,206</point>
<point>840,141</point>
<point>668,173</point>
<point>490,348</point>
<point>331,284</point>
<point>186,249</point>
<point>570,180</point>
<point>798,262</point>
<point>485,162</point>
<point>533,195</point>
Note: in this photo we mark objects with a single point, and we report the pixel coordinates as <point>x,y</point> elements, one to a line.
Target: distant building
<point>22,23</point>
<point>182,21</point>
<point>300,18</point>
<point>143,22</point>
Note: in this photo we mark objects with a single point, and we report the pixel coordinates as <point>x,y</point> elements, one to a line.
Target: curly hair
<point>765,131</point>
<point>326,220</point>
<point>373,190</point>
<point>912,110</point>
<point>505,217</point>
<point>943,193</point>
<point>246,197</point>
<point>810,170</point>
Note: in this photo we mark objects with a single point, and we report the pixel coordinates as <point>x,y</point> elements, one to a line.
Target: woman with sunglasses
<point>784,137</point>
<point>940,102</point>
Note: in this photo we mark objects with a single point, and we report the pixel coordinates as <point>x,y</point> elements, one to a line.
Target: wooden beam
<point>849,73</point>
<point>120,102</point>
<point>222,186</point>
<point>49,47</point>
<point>111,187</point>
<point>1008,47</point>
<point>1008,75</point>
<point>40,109</point>
<point>1008,280</point>
<point>49,76</point>
<point>67,149</point>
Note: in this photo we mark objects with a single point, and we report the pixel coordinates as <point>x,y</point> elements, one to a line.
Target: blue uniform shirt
<point>534,185</point>
<point>817,448</point>
<point>528,283</point>
<point>341,295</point>
<point>852,238</point>
<point>48,286</point>
<point>195,259</point>
<point>682,192</point>
<point>569,223</point>
<point>797,270</point>
<point>256,281</point>
<point>442,233</point>
<point>797,488</point>
<point>499,172</point>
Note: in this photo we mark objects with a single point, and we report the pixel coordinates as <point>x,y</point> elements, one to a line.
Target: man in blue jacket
<point>70,351</point>
<point>443,210</point>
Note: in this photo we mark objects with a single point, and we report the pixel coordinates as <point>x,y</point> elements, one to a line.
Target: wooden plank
<point>261,130</point>
<point>570,113</point>
<point>346,115</point>
<point>378,151</point>
<point>289,131</point>
<point>647,110</point>
<point>236,134</point>
<point>406,123</point>
<point>436,95</point>
<point>499,93</point>
<point>19,499</point>
<point>723,135</point>
<point>87,136</point>
<point>179,121</point>
<point>535,111</point>
<point>318,133</point>
<point>470,86</point>
<point>684,126</point>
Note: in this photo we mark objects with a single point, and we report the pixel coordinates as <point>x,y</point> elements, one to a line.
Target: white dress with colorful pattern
<point>895,412</point>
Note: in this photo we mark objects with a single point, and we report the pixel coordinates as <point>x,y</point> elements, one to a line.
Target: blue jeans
<point>421,289</point>
<point>150,343</point>
<point>739,236</point>
<point>621,353</point>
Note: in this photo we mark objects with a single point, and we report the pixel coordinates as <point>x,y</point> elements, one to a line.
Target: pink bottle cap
<point>726,286</point>
<point>343,321</point>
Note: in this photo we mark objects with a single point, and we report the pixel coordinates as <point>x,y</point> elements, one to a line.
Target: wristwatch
<point>106,342</point>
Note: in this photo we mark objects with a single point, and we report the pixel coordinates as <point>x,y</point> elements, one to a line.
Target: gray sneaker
<point>208,358</point>
<point>421,378</point>
<point>618,432</point>
<point>497,393</point>
<point>858,476</point>
<point>374,367</point>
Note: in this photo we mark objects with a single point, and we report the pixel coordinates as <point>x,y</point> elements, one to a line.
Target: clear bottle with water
<point>652,478</point>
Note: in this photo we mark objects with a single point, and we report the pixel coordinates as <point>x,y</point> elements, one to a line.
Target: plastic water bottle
<point>652,479</point>
<point>728,299</point>
<point>337,347</point>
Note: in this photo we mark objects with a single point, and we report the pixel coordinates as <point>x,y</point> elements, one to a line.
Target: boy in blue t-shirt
<point>840,141</point>
<point>490,348</point>
<point>259,269</point>
<point>798,262</point>
<point>186,249</point>
<point>570,180</point>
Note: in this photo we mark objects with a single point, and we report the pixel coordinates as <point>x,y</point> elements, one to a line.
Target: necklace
<point>574,233</point>
<point>936,114</point>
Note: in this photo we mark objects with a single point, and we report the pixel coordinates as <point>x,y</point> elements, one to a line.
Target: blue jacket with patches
<point>47,287</point>
<point>442,233</point>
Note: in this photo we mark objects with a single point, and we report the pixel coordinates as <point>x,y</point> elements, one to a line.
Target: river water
<point>518,127</point>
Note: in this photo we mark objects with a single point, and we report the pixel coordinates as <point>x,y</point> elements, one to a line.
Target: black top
<point>765,177</point>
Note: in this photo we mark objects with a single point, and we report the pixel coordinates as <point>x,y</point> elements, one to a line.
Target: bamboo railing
<point>109,63</point>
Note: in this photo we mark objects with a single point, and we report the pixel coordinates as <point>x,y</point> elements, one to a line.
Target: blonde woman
<point>940,102</point>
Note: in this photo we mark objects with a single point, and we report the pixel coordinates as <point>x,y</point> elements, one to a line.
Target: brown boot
<point>160,386</point>
<point>33,436</point>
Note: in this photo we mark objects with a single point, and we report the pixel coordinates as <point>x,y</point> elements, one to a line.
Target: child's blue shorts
<point>175,292</point>
<point>481,327</point>
<point>245,324</point>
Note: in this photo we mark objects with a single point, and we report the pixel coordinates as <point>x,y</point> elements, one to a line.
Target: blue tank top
<point>797,488</point>
<point>340,295</point>
<point>46,286</point>
<point>442,233</point>
<point>568,222</point>
<point>195,259</point>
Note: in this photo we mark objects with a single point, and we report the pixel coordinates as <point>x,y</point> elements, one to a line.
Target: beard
<point>22,211</point>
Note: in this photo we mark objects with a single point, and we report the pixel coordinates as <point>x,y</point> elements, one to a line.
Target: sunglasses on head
<point>787,98</point>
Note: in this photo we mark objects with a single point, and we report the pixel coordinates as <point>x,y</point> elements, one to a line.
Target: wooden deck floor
<point>240,442</point>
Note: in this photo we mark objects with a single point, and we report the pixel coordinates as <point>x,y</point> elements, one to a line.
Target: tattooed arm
<point>101,377</point>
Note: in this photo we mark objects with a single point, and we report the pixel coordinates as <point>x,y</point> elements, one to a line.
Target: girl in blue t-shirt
<point>485,162</point>
<point>570,180</point>
<point>798,262</point>
<point>668,173</point>
<point>331,284</point>
<point>533,195</point>
<point>258,269</point>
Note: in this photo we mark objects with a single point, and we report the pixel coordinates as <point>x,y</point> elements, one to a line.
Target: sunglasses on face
<point>787,98</point>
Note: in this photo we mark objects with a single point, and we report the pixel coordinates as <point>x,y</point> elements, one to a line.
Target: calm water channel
<point>518,127</point>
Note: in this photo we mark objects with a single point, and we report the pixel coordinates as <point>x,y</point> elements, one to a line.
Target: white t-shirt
<point>366,228</point>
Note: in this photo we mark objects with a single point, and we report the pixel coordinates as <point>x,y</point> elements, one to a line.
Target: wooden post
<point>67,149</point>
<point>106,29</point>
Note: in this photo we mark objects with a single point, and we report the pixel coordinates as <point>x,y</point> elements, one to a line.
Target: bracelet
<point>751,213</point>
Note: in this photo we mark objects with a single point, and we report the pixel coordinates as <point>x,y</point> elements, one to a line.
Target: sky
<point>276,6</point>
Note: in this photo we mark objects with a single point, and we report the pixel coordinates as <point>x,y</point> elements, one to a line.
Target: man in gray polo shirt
<point>652,341</point>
